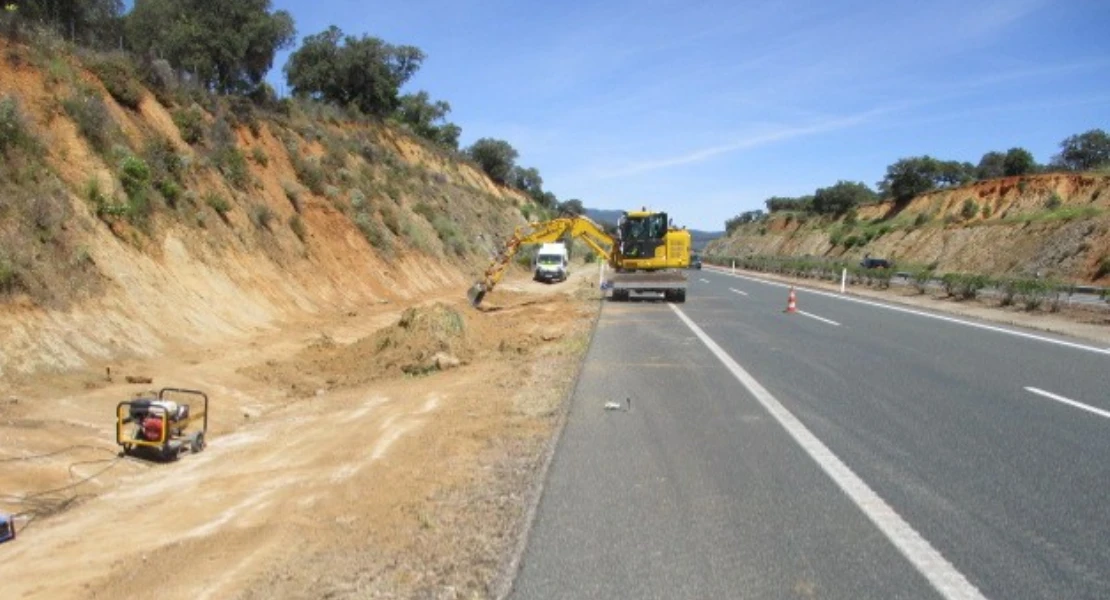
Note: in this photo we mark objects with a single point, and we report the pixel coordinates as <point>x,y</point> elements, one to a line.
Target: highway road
<point>846,451</point>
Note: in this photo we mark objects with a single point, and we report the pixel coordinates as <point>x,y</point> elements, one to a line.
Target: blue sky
<point>706,108</point>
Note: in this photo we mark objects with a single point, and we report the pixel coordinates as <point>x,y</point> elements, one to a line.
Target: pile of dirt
<point>424,340</point>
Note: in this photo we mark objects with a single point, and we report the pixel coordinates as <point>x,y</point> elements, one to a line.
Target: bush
<point>1103,267</point>
<point>986,211</point>
<point>970,209</point>
<point>190,123</point>
<point>1053,202</point>
<point>231,163</point>
<point>94,122</point>
<point>371,231</point>
<point>261,216</point>
<point>117,73</point>
<point>309,173</point>
<point>135,177</point>
<point>297,225</point>
<point>218,204</point>
<point>259,156</point>
<point>14,132</point>
<point>391,220</point>
<point>921,279</point>
<point>293,194</point>
<point>921,219</point>
<point>9,279</point>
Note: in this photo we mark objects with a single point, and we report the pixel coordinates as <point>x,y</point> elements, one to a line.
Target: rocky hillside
<point>130,217</point>
<point>1056,225</point>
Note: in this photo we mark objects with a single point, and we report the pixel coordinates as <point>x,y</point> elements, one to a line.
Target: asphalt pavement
<point>844,451</point>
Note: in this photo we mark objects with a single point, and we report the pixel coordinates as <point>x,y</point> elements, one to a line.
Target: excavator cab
<point>641,233</point>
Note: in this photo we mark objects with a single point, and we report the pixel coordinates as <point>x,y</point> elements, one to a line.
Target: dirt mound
<point>424,340</point>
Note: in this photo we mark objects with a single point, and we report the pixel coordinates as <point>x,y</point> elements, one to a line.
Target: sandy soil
<point>384,452</point>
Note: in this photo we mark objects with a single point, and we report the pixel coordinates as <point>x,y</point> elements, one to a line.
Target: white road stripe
<point>1023,334</point>
<point>927,560</point>
<point>737,291</point>
<point>704,280</point>
<point>1079,405</point>
<point>813,316</point>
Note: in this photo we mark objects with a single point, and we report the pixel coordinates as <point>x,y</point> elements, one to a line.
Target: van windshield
<point>549,259</point>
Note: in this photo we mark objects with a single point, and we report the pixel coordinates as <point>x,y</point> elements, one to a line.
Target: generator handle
<point>162,392</point>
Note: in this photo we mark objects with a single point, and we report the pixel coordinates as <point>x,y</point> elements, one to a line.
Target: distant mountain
<point>698,238</point>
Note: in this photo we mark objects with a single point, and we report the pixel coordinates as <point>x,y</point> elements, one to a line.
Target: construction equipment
<point>162,428</point>
<point>7,528</point>
<point>646,256</point>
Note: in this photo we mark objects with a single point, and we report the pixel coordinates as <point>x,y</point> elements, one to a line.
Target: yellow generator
<point>163,427</point>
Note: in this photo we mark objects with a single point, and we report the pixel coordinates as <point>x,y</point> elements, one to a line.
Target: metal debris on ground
<point>621,406</point>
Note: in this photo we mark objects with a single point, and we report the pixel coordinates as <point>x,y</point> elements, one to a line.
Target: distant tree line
<point>228,47</point>
<point>916,175</point>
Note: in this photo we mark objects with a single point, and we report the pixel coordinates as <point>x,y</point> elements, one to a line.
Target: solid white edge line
<point>736,291</point>
<point>813,316</point>
<point>944,577</point>
<point>1079,405</point>
<point>930,315</point>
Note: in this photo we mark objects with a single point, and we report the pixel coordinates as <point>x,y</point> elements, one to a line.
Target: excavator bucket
<point>476,293</point>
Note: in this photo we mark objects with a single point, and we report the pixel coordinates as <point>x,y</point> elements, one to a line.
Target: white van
<point>551,263</point>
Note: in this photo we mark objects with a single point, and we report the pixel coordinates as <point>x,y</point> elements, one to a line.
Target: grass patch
<point>261,216</point>
<point>296,223</point>
<point>218,203</point>
<point>15,133</point>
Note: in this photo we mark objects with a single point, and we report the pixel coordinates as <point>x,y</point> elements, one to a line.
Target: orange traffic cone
<point>791,302</point>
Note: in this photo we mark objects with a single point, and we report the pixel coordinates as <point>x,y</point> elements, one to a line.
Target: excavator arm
<point>539,233</point>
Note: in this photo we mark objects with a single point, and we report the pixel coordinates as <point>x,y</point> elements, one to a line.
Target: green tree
<point>840,198</point>
<point>1018,161</point>
<point>750,216</point>
<point>362,71</point>
<point>779,203</point>
<point>572,206</point>
<point>94,23</point>
<point>910,177</point>
<point>496,157</point>
<point>228,46</point>
<point>428,119</point>
<point>1084,152</point>
<point>991,166</point>
<point>528,181</point>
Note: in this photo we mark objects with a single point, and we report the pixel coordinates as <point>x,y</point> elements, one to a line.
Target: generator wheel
<point>198,442</point>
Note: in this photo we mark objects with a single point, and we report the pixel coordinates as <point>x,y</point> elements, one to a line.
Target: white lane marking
<point>1031,336</point>
<point>704,280</point>
<point>1079,405</point>
<point>734,290</point>
<point>813,316</point>
<point>927,560</point>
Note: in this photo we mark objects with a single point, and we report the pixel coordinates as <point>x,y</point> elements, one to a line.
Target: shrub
<point>986,211</point>
<point>309,173</point>
<point>970,209</point>
<point>1103,267</point>
<point>921,219</point>
<point>445,228</point>
<point>921,279</point>
<point>371,231</point>
<point>293,193</point>
<point>218,204</point>
<point>170,191</point>
<point>297,225</point>
<point>117,73</point>
<point>391,220</point>
<point>851,241</point>
<point>425,210</point>
<point>190,123</point>
<point>14,132</point>
<point>9,279</point>
<point>261,216</point>
<point>231,163</point>
<point>259,156</point>
<point>1053,202</point>
<point>135,177</point>
<point>94,122</point>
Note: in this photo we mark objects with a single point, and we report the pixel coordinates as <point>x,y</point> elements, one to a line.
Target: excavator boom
<point>647,248</point>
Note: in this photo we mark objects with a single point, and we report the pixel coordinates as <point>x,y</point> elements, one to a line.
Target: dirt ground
<point>387,452</point>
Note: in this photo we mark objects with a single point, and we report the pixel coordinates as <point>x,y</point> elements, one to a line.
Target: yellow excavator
<point>646,256</point>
